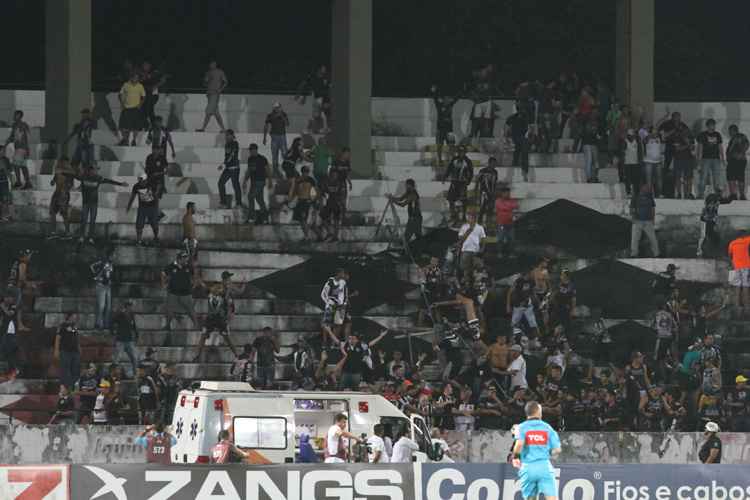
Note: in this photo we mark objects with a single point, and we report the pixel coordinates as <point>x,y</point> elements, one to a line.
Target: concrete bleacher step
<point>505,174</point>
<point>231,234</point>
<point>233,217</point>
<point>504,158</point>
<point>142,290</point>
<point>239,322</point>
<point>152,306</point>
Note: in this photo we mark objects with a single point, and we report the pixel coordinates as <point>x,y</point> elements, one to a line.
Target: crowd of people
<point>485,376</point>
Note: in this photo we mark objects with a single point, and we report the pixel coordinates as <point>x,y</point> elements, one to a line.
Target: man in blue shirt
<point>536,443</point>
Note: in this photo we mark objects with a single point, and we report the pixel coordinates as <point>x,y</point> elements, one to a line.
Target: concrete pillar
<point>634,58</point>
<point>351,71</point>
<point>68,65</point>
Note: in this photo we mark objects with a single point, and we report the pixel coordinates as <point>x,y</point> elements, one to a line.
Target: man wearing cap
<point>217,320</point>
<point>259,174</point>
<point>84,152</point>
<point>177,279</point>
<point>276,123</point>
<point>710,452</point>
<point>148,209</point>
<point>517,368</point>
<point>102,404</point>
<point>737,405</point>
<point>231,170</point>
<point>125,331</point>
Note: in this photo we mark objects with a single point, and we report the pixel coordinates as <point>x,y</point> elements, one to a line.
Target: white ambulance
<point>267,424</point>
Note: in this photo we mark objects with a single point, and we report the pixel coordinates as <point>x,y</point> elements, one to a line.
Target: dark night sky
<point>265,46</point>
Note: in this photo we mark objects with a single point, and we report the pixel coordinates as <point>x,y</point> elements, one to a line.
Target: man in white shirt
<point>471,243</point>
<point>336,445</point>
<point>517,367</point>
<point>376,447</point>
<point>335,296</point>
<point>403,450</point>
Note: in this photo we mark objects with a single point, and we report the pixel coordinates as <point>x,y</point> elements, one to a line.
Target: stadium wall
<point>21,444</point>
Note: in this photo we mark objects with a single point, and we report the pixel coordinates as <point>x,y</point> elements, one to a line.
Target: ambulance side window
<point>260,432</point>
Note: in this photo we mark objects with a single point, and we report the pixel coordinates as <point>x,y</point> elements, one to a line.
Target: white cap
<point>712,427</point>
<point>142,177</point>
<point>277,104</point>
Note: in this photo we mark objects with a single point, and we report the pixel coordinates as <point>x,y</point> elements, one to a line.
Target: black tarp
<point>574,228</point>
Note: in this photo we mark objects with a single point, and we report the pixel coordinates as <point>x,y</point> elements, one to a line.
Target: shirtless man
<point>304,191</point>
<point>540,276</point>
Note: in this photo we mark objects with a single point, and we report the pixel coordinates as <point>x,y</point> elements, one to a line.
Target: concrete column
<point>351,71</point>
<point>634,58</point>
<point>68,65</point>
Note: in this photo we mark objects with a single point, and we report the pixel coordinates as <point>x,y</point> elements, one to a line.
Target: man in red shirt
<point>738,252</point>
<point>505,206</point>
<point>225,452</point>
<point>158,444</point>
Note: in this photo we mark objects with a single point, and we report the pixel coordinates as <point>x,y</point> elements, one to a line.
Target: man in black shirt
<point>151,79</point>
<point>156,169</point>
<point>171,385</point>
<point>737,405</point>
<point>564,300</point>
<point>517,127</point>
<point>67,351</point>
<point>357,358</point>
<point>148,396</point>
<point>736,162</point>
<point>266,346</point>
<point>710,156</point>
<point>332,213</point>
<point>9,330</point>
<point>148,209</point>
<point>231,170</point>
<point>460,172</point>
<point>217,319</point>
<point>444,109</point>
<point>90,182</point>
<point>259,174</point>
<point>177,279</point>
<point>84,152</point>
<point>159,137</point>
<point>710,452</point>
<point>126,335</point>
<point>410,199</point>
<point>276,123</point>
<point>486,184</point>
<point>87,385</point>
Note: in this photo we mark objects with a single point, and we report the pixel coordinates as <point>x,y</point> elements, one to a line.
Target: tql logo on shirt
<point>536,437</point>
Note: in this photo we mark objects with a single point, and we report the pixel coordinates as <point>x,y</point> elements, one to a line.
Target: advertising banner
<point>402,482</point>
<point>34,482</point>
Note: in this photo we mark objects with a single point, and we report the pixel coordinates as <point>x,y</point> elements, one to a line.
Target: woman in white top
<point>336,444</point>
<point>652,159</point>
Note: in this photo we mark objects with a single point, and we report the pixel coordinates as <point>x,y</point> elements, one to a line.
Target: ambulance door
<point>264,427</point>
